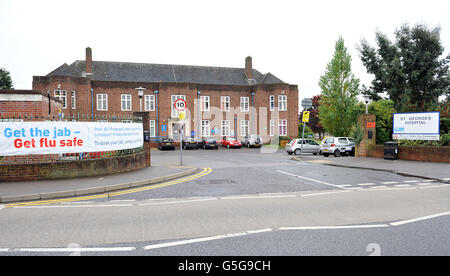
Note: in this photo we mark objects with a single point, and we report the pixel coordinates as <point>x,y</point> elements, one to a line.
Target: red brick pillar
<point>146,125</point>
<point>367,123</point>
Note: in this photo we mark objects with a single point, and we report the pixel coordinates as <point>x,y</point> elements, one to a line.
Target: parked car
<point>253,140</point>
<point>309,146</point>
<point>190,143</point>
<point>231,142</point>
<point>210,143</point>
<point>338,146</point>
<point>166,143</point>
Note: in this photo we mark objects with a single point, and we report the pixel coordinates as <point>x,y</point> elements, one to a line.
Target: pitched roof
<point>146,72</point>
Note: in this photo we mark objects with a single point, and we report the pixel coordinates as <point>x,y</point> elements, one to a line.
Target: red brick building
<point>26,105</point>
<point>220,101</point>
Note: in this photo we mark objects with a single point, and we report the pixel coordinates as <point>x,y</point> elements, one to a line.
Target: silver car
<point>309,146</point>
<point>338,146</point>
<point>253,140</point>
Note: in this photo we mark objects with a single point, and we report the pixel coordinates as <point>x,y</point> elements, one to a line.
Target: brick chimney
<point>248,68</point>
<point>88,61</point>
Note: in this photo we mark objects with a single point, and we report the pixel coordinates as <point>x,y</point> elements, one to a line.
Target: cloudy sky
<point>294,40</point>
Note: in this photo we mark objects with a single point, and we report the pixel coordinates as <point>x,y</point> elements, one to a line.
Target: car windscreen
<point>211,140</point>
<point>329,140</point>
<point>231,139</point>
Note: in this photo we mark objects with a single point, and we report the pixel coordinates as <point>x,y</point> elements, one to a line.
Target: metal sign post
<point>306,104</point>
<point>180,105</point>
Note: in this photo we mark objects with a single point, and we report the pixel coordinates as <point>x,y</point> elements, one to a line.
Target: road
<point>249,203</point>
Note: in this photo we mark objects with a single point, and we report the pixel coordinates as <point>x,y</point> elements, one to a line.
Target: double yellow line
<point>205,171</point>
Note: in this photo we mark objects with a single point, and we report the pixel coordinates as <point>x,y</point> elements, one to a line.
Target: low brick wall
<point>73,168</point>
<point>414,153</point>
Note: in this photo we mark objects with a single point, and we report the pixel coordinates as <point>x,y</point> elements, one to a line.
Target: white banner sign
<point>22,138</point>
<point>416,126</point>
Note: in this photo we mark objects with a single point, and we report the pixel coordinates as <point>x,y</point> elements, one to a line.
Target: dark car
<point>190,143</point>
<point>210,143</point>
<point>166,143</point>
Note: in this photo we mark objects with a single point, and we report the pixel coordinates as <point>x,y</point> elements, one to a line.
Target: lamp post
<point>140,90</point>
<point>366,102</point>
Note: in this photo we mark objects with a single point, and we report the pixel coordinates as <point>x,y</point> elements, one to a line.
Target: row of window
<point>149,102</point>
<point>244,127</point>
<point>226,128</point>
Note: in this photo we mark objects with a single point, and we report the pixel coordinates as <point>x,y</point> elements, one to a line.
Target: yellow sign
<point>305,117</point>
<point>181,115</point>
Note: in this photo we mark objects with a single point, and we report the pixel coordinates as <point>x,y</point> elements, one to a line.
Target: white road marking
<point>366,184</point>
<point>177,201</point>
<point>310,179</point>
<point>389,182</point>
<point>378,187</point>
<point>344,185</point>
<point>257,197</point>
<point>435,186</point>
<point>419,219</point>
<point>411,181</point>
<point>334,227</point>
<point>429,180</point>
<point>424,184</point>
<point>403,185</point>
<point>445,179</point>
<point>87,249</point>
<point>184,242</point>
<point>327,193</point>
<point>2,206</point>
<point>4,249</point>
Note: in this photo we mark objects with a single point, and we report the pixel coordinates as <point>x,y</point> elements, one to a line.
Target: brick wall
<point>71,169</point>
<point>28,104</point>
<point>414,153</point>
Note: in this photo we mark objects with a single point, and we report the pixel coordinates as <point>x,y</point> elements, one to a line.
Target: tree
<point>5,79</point>
<point>340,89</point>
<point>383,110</point>
<point>408,70</point>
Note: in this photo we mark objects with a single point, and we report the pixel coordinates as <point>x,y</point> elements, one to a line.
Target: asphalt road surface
<point>248,203</point>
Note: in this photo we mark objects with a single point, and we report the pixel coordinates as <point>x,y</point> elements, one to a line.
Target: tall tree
<point>409,70</point>
<point>340,89</point>
<point>5,79</point>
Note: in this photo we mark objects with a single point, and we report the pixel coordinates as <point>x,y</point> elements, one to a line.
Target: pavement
<point>51,189</point>
<point>426,170</point>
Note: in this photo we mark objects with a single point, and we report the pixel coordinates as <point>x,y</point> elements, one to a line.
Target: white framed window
<point>272,102</point>
<point>152,128</point>
<point>174,98</point>
<point>149,102</point>
<point>244,127</point>
<point>282,102</point>
<point>225,127</point>
<point>126,102</point>
<point>102,102</point>
<point>282,127</point>
<point>271,127</point>
<point>204,103</point>
<point>206,128</point>
<point>73,99</point>
<point>62,96</point>
<point>244,104</point>
<point>225,103</point>
<point>127,121</point>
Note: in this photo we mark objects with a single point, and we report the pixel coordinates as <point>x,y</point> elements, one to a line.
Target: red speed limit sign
<point>180,104</point>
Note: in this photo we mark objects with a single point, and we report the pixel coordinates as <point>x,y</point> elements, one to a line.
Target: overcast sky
<point>294,40</point>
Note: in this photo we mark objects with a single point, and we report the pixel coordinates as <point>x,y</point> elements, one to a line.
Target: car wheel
<point>337,153</point>
<point>290,153</point>
<point>297,151</point>
<point>326,154</point>
<point>315,153</point>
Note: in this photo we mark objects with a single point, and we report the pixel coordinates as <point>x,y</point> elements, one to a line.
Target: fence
<point>75,117</point>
